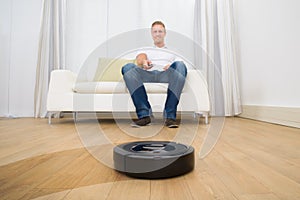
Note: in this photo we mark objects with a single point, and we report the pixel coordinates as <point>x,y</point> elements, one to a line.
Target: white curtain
<point>214,32</point>
<point>51,53</point>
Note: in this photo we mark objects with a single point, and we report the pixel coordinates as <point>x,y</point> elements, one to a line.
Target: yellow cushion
<point>109,69</point>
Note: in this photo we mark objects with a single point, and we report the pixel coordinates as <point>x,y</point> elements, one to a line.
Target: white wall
<point>269,35</point>
<point>19,29</point>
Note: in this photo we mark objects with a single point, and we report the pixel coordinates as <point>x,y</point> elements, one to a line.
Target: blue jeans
<point>135,76</point>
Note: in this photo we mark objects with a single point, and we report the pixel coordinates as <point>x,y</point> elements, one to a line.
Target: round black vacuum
<point>153,159</point>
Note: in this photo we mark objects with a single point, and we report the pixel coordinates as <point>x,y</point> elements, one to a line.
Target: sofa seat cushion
<point>115,87</point>
<point>99,87</point>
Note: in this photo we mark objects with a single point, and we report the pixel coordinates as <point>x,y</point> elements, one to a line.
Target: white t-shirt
<point>159,57</point>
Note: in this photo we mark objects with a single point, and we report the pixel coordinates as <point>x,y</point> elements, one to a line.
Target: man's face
<point>158,33</point>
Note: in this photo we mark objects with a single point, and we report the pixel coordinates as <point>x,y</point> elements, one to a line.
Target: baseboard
<point>278,115</point>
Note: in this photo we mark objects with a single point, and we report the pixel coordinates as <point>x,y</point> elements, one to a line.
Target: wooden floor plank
<point>205,184</point>
<point>279,154</point>
<point>279,184</point>
<point>237,180</point>
<point>98,191</point>
<point>134,189</point>
<point>175,188</point>
<point>270,196</point>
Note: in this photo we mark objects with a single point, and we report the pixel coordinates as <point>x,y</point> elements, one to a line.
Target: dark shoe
<point>171,123</point>
<point>141,122</point>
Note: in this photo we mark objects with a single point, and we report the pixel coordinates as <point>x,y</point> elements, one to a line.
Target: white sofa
<point>69,93</point>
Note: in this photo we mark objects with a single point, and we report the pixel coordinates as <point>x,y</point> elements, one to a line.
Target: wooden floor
<point>251,160</point>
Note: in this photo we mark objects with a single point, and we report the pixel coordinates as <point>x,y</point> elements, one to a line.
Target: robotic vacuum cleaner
<point>153,159</point>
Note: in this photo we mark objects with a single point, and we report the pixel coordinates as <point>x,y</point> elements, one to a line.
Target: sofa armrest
<point>196,85</point>
<point>61,81</point>
<point>60,92</point>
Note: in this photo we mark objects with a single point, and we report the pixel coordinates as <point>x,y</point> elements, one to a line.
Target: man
<point>155,64</point>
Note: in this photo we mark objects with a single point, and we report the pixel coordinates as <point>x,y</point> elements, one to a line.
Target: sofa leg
<point>75,116</point>
<point>206,118</point>
<point>49,117</point>
<point>202,114</point>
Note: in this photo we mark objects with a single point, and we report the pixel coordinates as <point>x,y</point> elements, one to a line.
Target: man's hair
<point>158,23</point>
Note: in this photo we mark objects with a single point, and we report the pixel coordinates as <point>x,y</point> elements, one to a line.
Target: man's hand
<point>147,64</point>
<point>166,67</point>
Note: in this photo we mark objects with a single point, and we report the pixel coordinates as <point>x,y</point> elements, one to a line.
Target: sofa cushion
<point>99,87</point>
<point>109,69</point>
<point>115,87</point>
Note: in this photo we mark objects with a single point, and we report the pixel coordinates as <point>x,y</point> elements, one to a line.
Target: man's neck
<point>160,45</point>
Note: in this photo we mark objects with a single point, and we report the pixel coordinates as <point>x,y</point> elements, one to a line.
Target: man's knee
<point>128,67</point>
<point>180,67</point>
